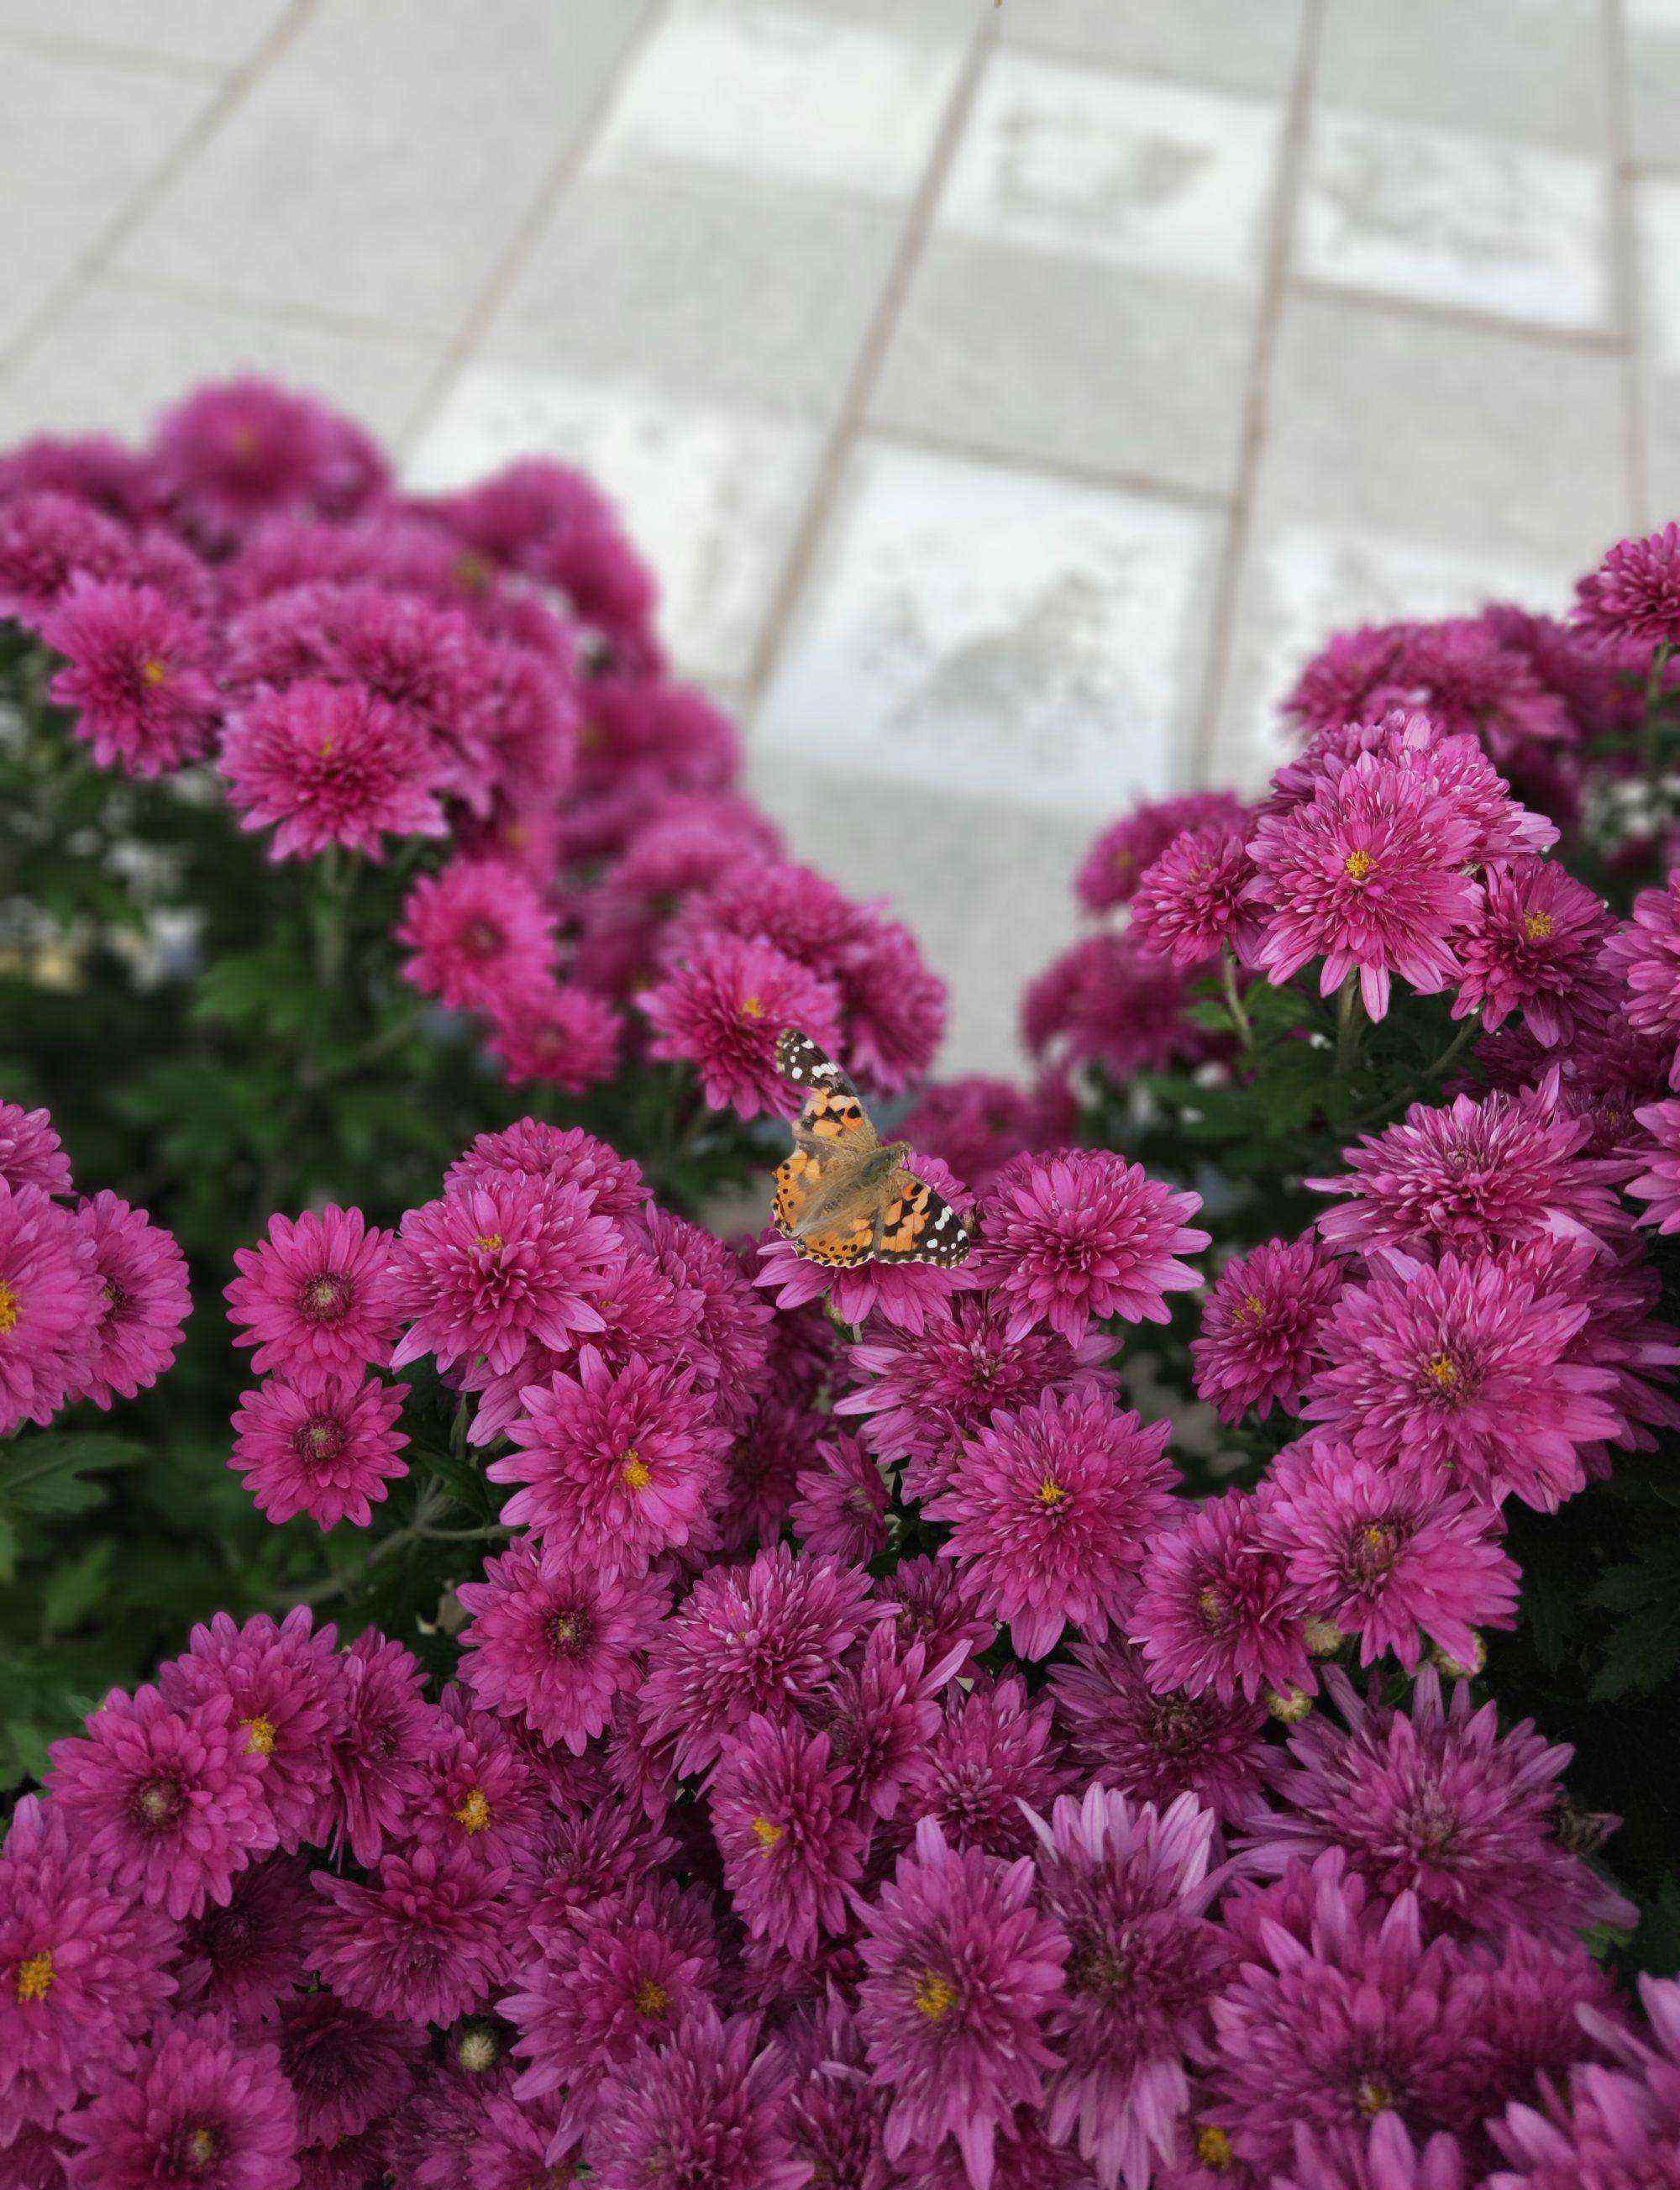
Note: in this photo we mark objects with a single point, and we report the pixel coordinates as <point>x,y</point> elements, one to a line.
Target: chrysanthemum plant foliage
<point>1061,1693</point>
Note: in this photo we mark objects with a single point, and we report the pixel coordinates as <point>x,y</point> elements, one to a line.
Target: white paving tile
<point>1658,216</point>
<point>773,91</point>
<point>1118,169</point>
<point>1443,218</point>
<point>1025,639</point>
<point>712,495</point>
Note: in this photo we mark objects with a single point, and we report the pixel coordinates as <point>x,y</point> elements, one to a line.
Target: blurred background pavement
<point>1007,396</point>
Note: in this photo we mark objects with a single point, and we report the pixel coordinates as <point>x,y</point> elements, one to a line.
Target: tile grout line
<point>558,179</point>
<point>1110,479</point>
<point>1581,342</point>
<point>135,60</point>
<point>1625,267</point>
<point>198,133</point>
<point>1256,405</point>
<point>319,319</point>
<point>854,408</point>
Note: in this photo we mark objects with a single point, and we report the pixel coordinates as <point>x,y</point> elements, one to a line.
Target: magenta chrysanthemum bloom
<point>1388,2160</point>
<point>245,1957</point>
<point>1619,2127</point>
<point>935,1604</point>
<point>1394,1562</point>
<point>317,1292</point>
<point>484,1792</point>
<point>893,1006</point>
<point>783,1816</point>
<point>762,1638</point>
<point>1474,1178</point>
<point>492,1266</point>
<point>1075,1238</point>
<point>346,2068</point>
<point>1191,903</point>
<point>328,1446</point>
<point>709,2108</point>
<point>553,1639</point>
<point>629,1972</point>
<point>732,1330</point>
<point>206,2104</point>
<point>50,1305</point>
<point>1124,1732</point>
<point>618,1466</point>
<point>1124,853</point>
<point>424,1941</point>
<point>146,1299</point>
<point>1635,591</point>
<point>563,1156</point>
<point>47,541</point>
<point>1466,1369</point>
<point>1643,958</point>
<point>1437,1803</point>
<point>586,1853</point>
<point>842,1504</point>
<point>1052,1509</point>
<point>238,451</point>
<point>284,1682</point>
<point>30,1152</point>
<point>1109,1003</point>
<point>880,1713</point>
<point>1368,875</point>
<point>1129,1888</point>
<point>723,1007</point>
<point>1658,1151</point>
<point>83,1968</point>
<point>963,1972</point>
<point>171,1802</point>
<point>1214,1610</point>
<point>323,764</point>
<point>381,1746</point>
<point>476,933</point>
<point>976,1124</point>
<point>904,1294</point>
<point>1534,949</point>
<point>560,1034</point>
<point>513,2146</point>
<point>136,676</point>
<point>1260,1326</point>
<point>1455,763</point>
<point>991,1757</point>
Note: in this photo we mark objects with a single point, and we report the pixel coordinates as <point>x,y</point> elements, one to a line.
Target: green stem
<point>1233,1003</point>
<point>432,1503</point>
<point>1651,726</point>
<point>1349,1026</point>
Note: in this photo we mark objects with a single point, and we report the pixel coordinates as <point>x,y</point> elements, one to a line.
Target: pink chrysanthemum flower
<point>1260,1326</point>
<point>562,1155</point>
<point>1126,1734</point>
<point>523,2146</point>
<point>1396,1564</point>
<point>629,1972</point>
<point>1472,1177</point>
<point>553,1640</point>
<point>83,1968</point>
<point>1455,763</point>
<point>1125,852</point>
<point>761,1472</point>
<point>992,1757</point>
<point>1544,2007</point>
<point>881,1712</point>
<point>381,1746</point>
<point>936,1604</point>
<point>171,1802</point>
<point>761,1638</point>
<point>709,2108</point>
<point>1214,1610</point>
<point>1658,1182</point>
<point>328,1446</point>
<point>47,541</point>
<point>423,1942</point>
<point>1191,902</point>
<point>842,1503</point>
<point>1534,949</point>
<point>893,1006</point>
<point>317,1292</point>
<point>783,1817</point>
<point>1618,2128</point>
<point>1466,1370</point>
<point>1641,957</point>
<point>30,1152</point>
<point>557,1034</point>
<point>906,1295</point>
<point>585,1855</point>
<point>1368,875</point>
<point>237,450</point>
<point>207,2104</point>
<point>347,2069</point>
<point>1635,591</point>
<point>963,1972</point>
<point>323,764</point>
<point>1075,1238</point>
<point>976,1124</point>
<point>1051,1507</point>
<point>244,1958</point>
<point>136,675</point>
<point>1109,1003</point>
<point>484,1790</point>
<point>284,1682</point>
<point>476,933</point>
<point>1388,2160</point>
<point>836,2114</point>
<point>1130,1889</point>
<point>492,1266</point>
<point>723,1007</point>
<point>729,1339</point>
<point>1438,1803</point>
<point>50,1305</point>
<point>145,1300</point>
<point>617,1467</point>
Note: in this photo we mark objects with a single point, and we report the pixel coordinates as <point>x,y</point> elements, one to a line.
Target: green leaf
<point>46,1476</point>
<point>1644,1649</point>
<point>72,1590</point>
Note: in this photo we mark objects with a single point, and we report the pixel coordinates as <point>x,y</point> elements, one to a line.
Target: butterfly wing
<point>833,1118</point>
<point>919,1225</point>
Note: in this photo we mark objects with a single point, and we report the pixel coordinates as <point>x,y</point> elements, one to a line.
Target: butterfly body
<point>844,1195</point>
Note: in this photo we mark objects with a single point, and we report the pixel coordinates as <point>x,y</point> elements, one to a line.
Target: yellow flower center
<point>473,570</point>
<point>1050,1492</point>
<point>1212,1605</point>
<point>1372,2095</point>
<point>473,1815</point>
<point>9,1306</point>
<point>476,2052</point>
<point>491,1242</point>
<point>651,1997</point>
<point>35,1976</point>
<point>752,1006</point>
<point>154,671</point>
<point>259,1734</point>
<point>1359,866</point>
<point>934,1995</point>
<point>768,1832</point>
<point>159,1802</point>
<point>1213,2146</point>
<point>637,1472</point>
<point>202,2147</point>
<point>325,749</point>
<point>1252,1309</point>
<point>1537,926</point>
<point>1442,1371</point>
